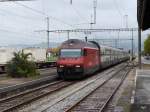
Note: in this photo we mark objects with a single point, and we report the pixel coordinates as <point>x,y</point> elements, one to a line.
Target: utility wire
<point>23,36</point>
<point>10,31</point>
<point>4,12</point>
<point>15,14</point>
<point>34,10</point>
<point>44,14</point>
<point>77,12</point>
<point>117,8</point>
<point>81,24</point>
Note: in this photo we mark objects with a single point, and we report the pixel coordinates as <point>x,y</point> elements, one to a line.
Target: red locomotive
<point>78,58</point>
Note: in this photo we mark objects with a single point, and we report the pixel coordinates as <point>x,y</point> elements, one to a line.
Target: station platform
<point>141,94</point>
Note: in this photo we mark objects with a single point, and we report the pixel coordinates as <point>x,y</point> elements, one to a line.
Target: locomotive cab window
<point>85,52</point>
<point>70,53</point>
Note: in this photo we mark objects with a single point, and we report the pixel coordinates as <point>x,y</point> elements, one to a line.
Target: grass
<point>146,66</point>
<point>5,78</point>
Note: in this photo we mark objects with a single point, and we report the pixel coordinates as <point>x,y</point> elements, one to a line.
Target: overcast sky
<point>19,24</point>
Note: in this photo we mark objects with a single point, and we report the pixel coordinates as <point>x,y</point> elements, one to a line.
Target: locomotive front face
<point>70,61</point>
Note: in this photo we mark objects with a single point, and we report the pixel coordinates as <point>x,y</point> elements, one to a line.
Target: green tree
<point>20,66</point>
<point>147,45</point>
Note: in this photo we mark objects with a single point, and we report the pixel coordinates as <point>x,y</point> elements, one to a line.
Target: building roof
<point>143,14</point>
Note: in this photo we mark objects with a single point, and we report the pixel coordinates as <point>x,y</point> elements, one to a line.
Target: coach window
<point>102,51</point>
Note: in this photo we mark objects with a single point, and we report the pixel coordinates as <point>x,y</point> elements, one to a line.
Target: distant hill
<point>41,45</point>
<point>125,45</point>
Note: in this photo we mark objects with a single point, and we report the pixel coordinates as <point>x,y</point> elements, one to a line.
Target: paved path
<point>144,61</point>
<point>142,92</point>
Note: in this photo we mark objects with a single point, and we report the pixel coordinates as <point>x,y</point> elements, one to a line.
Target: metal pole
<point>91,22</point>
<point>86,39</point>
<point>91,25</point>
<point>118,39</point>
<point>47,32</point>
<point>126,20</point>
<point>115,43</point>
<point>71,2</point>
<point>132,43</point>
<point>139,47</point>
<point>95,6</point>
<point>68,34</point>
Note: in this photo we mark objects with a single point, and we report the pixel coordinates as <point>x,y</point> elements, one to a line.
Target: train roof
<point>107,47</point>
<point>76,43</point>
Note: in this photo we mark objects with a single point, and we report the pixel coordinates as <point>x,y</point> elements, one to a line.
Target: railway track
<point>13,102</point>
<point>99,98</point>
<point>73,98</point>
<point>46,77</point>
<point>16,101</point>
<point>21,99</point>
<point>91,97</point>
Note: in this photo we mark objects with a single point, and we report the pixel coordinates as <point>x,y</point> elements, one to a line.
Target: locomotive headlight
<point>78,66</point>
<point>61,66</point>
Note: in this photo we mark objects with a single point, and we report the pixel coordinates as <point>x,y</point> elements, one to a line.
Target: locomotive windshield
<point>70,53</point>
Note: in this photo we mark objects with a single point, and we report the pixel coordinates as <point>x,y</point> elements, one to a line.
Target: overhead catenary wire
<point>34,10</point>
<point>10,13</point>
<point>81,24</point>
<point>45,16</point>
<point>11,35</point>
<point>19,18</point>
<point>43,13</point>
<point>117,8</point>
<point>14,32</point>
<point>77,12</point>
<point>6,13</point>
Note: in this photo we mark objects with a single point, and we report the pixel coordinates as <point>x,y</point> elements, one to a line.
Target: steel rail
<point>15,106</point>
<point>86,86</point>
<point>114,92</point>
<point>35,98</point>
<point>27,92</point>
<point>18,88</point>
<point>77,103</point>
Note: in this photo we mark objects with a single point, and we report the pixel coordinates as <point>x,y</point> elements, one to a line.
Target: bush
<point>19,66</point>
<point>147,46</point>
